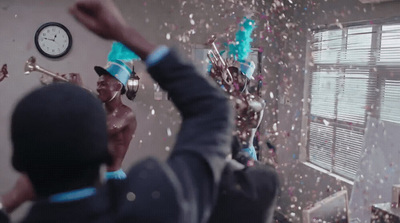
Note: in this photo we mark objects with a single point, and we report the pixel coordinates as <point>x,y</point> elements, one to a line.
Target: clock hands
<point>54,39</point>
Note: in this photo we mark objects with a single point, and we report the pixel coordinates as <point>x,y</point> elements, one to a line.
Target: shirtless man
<point>249,107</point>
<point>121,121</point>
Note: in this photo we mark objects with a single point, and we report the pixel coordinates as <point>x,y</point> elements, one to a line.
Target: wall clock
<point>53,40</point>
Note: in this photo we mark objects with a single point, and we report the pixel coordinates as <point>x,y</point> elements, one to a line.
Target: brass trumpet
<point>217,61</point>
<point>30,65</point>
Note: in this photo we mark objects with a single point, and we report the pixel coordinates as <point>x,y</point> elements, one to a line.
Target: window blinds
<point>347,152</point>
<point>357,49</point>
<point>347,46</point>
<point>323,93</point>
<point>389,57</point>
<point>320,152</point>
<point>352,95</point>
<point>389,52</point>
<point>390,101</point>
<point>343,91</point>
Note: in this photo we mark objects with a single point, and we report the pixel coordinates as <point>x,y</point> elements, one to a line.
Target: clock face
<point>53,40</point>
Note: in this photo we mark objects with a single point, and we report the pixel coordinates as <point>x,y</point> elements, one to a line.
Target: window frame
<point>378,71</point>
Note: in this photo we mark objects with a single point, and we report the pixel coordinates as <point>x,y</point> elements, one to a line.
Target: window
<point>354,72</point>
<point>389,57</point>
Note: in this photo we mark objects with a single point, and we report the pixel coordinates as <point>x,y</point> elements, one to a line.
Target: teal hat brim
<point>117,69</point>
<point>100,71</point>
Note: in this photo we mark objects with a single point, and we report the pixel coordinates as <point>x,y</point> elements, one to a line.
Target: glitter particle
<point>130,196</point>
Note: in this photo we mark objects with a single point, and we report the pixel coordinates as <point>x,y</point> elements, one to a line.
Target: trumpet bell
<point>30,65</point>
<point>219,64</point>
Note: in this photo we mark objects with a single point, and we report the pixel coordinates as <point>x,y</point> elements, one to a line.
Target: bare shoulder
<point>129,117</point>
<point>127,112</point>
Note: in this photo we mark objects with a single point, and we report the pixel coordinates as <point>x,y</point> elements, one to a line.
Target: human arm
<point>203,142</point>
<point>104,19</point>
<point>73,78</point>
<point>21,192</point>
<point>3,216</point>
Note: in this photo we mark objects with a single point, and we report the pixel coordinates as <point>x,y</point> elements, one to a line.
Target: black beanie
<point>59,126</point>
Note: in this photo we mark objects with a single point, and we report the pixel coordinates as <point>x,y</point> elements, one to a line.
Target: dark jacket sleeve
<point>3,217</point>
<point>204,140</point>
<point>207,124</point>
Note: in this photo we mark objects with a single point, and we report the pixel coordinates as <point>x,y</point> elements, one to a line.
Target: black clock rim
<point>53,24</point>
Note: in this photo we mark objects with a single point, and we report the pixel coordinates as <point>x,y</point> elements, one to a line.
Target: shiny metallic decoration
<point>219,63</point>
<point>30,66</point>
<point>132,87</point>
